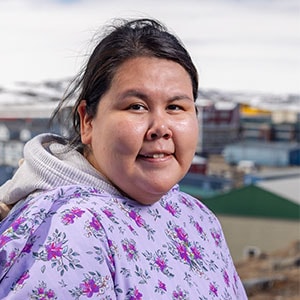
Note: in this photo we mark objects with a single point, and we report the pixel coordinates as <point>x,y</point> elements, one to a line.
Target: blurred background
<point>250,45</point>
<point>247,165</point>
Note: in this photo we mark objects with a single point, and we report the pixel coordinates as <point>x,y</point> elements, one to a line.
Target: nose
<point>159,128</point>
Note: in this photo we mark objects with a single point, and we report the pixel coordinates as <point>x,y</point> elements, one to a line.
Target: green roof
<point>253,201</point>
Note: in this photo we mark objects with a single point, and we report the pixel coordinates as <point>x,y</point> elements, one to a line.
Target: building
<point>273,154</point>
<point>219,124</point>
<point>256,219</point>
<point>18,124</point>
<point>266,125</point>
<point>199,165</point>
<point>204,186</point>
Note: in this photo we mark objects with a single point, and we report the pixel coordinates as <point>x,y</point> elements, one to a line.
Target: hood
<point>49,162</point>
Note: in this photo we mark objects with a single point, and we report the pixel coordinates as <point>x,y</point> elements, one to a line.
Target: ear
<point>85,123</point>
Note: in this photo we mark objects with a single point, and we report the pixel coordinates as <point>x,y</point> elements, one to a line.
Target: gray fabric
<point>49,163</point>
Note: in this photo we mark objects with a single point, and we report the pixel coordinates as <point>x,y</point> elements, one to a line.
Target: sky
<point>236,45</point>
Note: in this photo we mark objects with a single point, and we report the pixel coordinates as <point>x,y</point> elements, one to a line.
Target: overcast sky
<point>237,45</point>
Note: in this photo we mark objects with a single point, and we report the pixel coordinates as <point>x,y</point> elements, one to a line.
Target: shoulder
<point>64,214</point>
<point>188,201</point>
<point>56,232</point>
<point>66,196</point>
<point>60,203</point>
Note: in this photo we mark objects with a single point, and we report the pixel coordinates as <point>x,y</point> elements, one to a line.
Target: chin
<point>149,201</point>
<point>151,197</point>
<point>145,196</point>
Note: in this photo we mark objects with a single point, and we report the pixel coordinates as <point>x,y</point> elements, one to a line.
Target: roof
<point>264,146</point>
<point>23,110</point>
<point>288,188</point>
<point>253,201</point>
<point>277,173</point>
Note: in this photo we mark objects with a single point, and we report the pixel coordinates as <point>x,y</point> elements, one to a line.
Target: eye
<point>174,107</point>
<point>137,107</point>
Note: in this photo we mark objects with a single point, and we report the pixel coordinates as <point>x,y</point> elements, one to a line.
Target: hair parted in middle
<point>123,40</point>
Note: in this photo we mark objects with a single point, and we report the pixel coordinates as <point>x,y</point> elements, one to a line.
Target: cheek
<point>127,137</point>
<point>187,133</point>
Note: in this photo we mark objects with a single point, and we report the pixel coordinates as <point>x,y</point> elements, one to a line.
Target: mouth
<point>154,155</point>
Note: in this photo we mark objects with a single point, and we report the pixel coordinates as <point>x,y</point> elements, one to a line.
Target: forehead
<point>141,69</point>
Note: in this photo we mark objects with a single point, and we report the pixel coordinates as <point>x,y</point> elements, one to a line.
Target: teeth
<point>161,155</point>
<point>156,155</point>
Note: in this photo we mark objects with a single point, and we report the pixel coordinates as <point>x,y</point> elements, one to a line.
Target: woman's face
<point>144,134</point>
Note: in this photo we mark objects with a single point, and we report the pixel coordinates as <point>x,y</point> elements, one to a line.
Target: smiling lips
<point>155,155</point>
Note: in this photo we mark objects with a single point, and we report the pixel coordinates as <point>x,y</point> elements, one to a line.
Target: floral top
<point>82,243</point>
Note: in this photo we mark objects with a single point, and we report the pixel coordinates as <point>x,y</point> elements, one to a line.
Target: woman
<point>101,216</point>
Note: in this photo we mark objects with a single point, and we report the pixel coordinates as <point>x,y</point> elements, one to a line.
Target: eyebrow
<point>134,93</point>
<point>138,94</point>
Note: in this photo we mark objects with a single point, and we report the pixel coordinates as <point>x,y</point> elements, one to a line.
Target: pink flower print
<point>77,195</point>
<point>217,237</point>
<point>181,234</point>
<point>111,259</point>
<point>169,207</point>
<point>129,248</point>
<point>50,294</point>
<point>137,218</point>
<point>4,240</point>
<point>27,248</point>
<point>183,252</point>
<point>15,225</point>
<point>178,294</point>
<point>95,224</point>
<point>22,279</point>
<point>54,250</point>
<point>161,263</point>
<point>12,255</point>
<point>186,202</point>
<point>108,213</point>
<point>110,243</point>
<point>199,228</point>
<point>132,214</point>
<point>196,252</point>
<point>213,289</point>
<point>41,291</point>
<point>162,285</point>
<point>89,287</point>
<point>94,191</point>
<point>199,204</point>
<point>139,221</point>
<point>130,228</point>
<point>226,278</point>
<point>77,211</point>
<point>68,219</point>
<point>137,295</point>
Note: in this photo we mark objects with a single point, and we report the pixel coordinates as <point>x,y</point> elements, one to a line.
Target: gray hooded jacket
<point>50,163</point>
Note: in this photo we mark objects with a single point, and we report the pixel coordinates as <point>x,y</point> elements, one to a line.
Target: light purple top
<point>81,243</point>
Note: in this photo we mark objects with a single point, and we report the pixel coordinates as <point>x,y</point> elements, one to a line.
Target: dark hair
<point>125,40</point>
